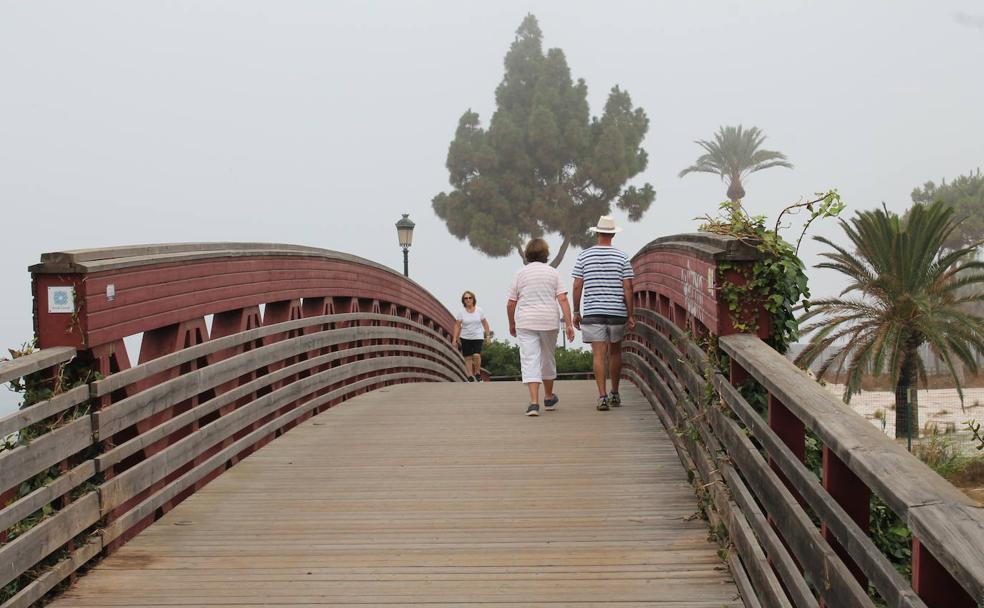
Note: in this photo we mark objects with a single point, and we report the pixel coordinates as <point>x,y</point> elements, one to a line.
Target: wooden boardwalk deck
<point>435,494</point>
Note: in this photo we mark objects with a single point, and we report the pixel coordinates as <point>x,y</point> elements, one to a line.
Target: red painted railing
<point>793,538</point>
<point>294,331</point>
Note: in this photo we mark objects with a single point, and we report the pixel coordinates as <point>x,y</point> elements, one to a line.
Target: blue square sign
<point>61,299</point>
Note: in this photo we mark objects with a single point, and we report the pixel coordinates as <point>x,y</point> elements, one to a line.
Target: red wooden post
<point>788,427</point>
<point>791,431</point>
<point>737,374</point>
<point>59,310</point>
<point>934,584</point>
<point>854,496</point>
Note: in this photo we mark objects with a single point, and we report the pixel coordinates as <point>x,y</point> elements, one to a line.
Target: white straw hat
<point>606,225</point>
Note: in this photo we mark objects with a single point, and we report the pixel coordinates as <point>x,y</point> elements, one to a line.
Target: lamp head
<point>404,230</point>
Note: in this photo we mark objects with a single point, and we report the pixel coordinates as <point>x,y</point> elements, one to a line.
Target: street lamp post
<point>404,230</point>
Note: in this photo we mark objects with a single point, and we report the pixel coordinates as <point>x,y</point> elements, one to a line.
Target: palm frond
<point>906,289</point>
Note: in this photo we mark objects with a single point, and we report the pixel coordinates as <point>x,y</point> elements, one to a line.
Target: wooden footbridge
<point>295,432</point>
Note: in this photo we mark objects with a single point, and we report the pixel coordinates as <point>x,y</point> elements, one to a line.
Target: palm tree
<point>734,154</point>
<point>908,290</point>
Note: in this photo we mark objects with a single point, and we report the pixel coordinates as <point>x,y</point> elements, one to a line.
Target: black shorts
<point>471,347</point>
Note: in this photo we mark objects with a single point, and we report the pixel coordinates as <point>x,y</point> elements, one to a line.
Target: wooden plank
<point>778,560</point>
<point>742,582</point>
<point>663,372</point>
<point>646,377</point>
<point>37,499</point>
<point>954,533</point>
<point>34,591</point>
<point>148,506</point>
<point>37,543</point>
<point>134,480</point>
<point>127,448</point>
<point>682,368</point>
<point>680,338</point>
<point>34,362</point>
<point>26,461</point>
<point>833,580</point>
<point>880,572</point>
<point>430,493</point>
<point>13,423</point>
<point>767,587</point>
<point>158,398</point>
<point>160,364</point>
<point>897,477</point>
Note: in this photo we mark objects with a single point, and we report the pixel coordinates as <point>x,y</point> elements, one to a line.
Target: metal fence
<point>936,411</point>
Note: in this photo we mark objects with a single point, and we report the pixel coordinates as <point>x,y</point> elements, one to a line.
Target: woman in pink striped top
<point>533,297</point>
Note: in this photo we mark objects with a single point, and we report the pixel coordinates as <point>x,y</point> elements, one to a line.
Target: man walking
<point>603,275</point>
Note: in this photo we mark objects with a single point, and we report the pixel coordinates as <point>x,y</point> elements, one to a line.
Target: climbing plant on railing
<point>778,280</point>
<point>36,388</point>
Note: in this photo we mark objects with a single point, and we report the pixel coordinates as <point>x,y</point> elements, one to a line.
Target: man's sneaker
<point>533,410</point>
<point>550,403</point>
<point>603,403</point>
<point>471,378</point>
<point>478,378</point>
<point>614,400</point>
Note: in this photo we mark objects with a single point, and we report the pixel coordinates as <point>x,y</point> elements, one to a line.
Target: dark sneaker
<point>471,378</point>
<point>533,410</point>
<point>602,404</point>
<point>550,403</point>
<point>614,400</point>
<point>478,378</point>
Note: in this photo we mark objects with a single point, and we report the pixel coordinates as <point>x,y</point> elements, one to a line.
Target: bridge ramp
<point>435,494</point>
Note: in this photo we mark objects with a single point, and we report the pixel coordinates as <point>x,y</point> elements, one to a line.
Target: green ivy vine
<point>778,280</point>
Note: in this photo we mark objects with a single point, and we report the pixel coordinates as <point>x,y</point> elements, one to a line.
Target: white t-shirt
<point>535,289</point>
<point>471,324</point>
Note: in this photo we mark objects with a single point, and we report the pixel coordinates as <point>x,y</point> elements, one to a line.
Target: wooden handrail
<point>943,519</point>
<point>767,484</point>
<point>36,361</point>
<point>239,391</point>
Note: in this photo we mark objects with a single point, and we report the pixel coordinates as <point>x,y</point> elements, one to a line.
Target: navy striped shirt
<point>603,269</point>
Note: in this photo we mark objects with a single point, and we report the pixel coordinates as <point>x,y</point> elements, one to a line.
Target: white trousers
<point>536,354</point>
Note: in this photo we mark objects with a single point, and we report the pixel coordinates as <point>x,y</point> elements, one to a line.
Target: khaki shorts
<point>603,332</point>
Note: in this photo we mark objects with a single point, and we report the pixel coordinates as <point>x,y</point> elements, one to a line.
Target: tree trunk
<point>906,396</point>
<point>561,252</point>
<point>735,190</point>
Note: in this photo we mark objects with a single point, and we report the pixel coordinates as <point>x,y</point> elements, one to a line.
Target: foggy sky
<point>319,123</point>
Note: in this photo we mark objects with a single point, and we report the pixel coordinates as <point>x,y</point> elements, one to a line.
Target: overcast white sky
<point>318,123</point>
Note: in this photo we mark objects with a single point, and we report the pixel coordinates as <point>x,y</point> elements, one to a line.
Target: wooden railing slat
<point>158,398</point>
<point>121,451</point>
<point>888,469</point>
<point>145,370</point>
<point>744,584</point>
<point>24,462</point>
<point>46,582</point>
<point>35,362</point>
<point>37,543</point>
<point>953,533</point>
<point>883,576</point>
<point>44,409</point>
<point>26,505</point>
<point>168,492</point>
<point>127,484</point>
<point>748,539</point>
<point>833,579</point>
